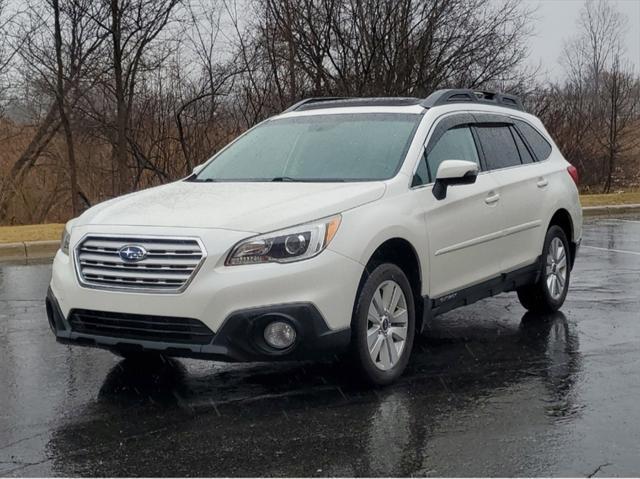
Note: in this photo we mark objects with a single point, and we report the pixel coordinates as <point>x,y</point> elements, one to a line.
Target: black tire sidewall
<point>381,273</point>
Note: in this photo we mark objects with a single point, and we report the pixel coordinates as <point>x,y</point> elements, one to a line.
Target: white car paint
<point>456,169</point>
<point>252,206</point>
<point>477,232</point>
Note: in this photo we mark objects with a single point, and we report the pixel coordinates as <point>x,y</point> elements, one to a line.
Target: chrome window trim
<point>124,289</point>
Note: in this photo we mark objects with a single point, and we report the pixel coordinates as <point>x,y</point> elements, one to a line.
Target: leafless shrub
<point>118,95</point>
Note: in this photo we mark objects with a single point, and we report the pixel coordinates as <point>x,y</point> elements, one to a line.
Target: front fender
<point>365,228</point>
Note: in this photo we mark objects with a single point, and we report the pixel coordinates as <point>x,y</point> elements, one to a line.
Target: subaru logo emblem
<point>132,253</point>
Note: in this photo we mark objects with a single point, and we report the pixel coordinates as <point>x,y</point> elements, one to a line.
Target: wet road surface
<point>490,391</point>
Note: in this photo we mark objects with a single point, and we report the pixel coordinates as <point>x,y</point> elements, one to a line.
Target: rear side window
<point>541,147</point>
<point>454,144</point>
<point>525,155</point>
<point>498,145</point>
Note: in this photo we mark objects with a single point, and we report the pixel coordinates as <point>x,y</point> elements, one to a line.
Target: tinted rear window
<point>525,155</point>
<point>499,148</point>
<point>541,147</point>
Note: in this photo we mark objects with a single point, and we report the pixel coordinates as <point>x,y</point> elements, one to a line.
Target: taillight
<point>573,172</point>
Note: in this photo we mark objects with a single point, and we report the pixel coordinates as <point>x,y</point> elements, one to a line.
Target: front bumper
<point>318,293</point>
<point>239,338</point>
<point>329,281</point>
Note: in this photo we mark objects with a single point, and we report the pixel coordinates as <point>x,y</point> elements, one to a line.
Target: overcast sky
<point>557,21</point>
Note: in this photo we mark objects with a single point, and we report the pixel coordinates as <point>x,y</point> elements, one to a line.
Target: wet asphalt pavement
<point>490,391</point>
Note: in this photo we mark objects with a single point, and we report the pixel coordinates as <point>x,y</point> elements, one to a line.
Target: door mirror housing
<point>454,172</point>
<point>197,169</point>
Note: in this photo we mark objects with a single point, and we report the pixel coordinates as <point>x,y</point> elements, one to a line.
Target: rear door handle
<point>492,198</point>
<point>542,182</point>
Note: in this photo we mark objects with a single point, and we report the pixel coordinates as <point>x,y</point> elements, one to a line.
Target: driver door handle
<point>492,198</point>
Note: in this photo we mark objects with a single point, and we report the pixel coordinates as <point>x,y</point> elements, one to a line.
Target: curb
<point>26,251</point>
<point>610,210</point>
<point>13,252</point>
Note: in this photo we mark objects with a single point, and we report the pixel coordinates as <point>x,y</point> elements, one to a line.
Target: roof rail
<point>337,102</point>
<point>306,101</point>
<point>437,98</point>
<point>446,97</point>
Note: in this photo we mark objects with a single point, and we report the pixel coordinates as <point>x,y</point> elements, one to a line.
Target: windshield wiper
<point>307,180</point>
<point>284,178</point>
<point>202,180</point>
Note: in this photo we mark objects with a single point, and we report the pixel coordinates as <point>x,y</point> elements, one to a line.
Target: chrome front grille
<point>168,266</point>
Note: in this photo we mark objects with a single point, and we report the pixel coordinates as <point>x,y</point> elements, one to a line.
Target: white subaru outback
<point>339,225</point>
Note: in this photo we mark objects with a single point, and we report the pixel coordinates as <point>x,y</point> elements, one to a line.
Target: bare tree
<point>200,109</point>
<point>132,26</point>
<point>61,76</point>
<point>600,96</point>
<point>383,47</point>
<point>602,30</point>
<point>7,49</point>
<point>62,107</point>
<point>116,95</point>
<point>620,96</point>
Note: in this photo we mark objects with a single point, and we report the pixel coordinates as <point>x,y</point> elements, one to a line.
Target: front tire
<point>549,293</point>
<point>383,325</point>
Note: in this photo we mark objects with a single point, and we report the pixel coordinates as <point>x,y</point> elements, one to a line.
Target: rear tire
<point>547,295</point>
<point>383,325</point>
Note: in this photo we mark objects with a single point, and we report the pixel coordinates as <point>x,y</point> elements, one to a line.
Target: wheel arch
<point>562,218</point>
<point>402,253</point>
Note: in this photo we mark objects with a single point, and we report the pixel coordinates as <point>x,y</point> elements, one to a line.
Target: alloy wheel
<point>387,325</point>
<point>556,268</point>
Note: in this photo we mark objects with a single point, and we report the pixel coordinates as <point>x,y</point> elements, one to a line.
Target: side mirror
<point>454,172</point>
<point>197,169</point>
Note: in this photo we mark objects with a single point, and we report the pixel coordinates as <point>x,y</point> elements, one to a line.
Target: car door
<point>521,181</point>
<point>464,227</point>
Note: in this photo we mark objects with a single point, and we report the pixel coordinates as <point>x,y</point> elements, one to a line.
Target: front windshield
<point>335,147</point>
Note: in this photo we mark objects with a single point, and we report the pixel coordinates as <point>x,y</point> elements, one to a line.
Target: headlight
<point>284,246</point>
<point>66,237</point>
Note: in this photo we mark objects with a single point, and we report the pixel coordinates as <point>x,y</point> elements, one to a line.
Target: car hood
<point>253,207</point>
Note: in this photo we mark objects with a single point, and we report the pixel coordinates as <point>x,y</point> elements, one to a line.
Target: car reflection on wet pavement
<point>490,390</point>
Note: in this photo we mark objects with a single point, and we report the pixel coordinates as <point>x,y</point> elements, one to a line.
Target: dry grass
<point>626,198</point>
<point>11,234</point>
<point>14,234</point>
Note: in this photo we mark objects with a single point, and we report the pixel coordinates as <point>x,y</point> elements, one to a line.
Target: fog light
<point>279,334</point>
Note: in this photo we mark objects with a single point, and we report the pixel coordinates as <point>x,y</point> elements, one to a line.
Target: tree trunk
<point>64,119</point>
<point>13,181</point>
<point>291,55</point>
<point>120,144</point>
